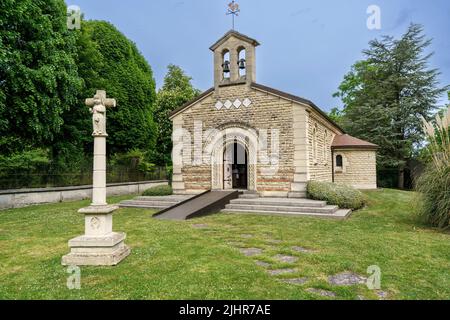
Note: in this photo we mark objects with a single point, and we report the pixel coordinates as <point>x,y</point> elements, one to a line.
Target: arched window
<point>325,146</point>
<point>242,63</point>
<point>226,64</point>
<point>314,143</point>
<point>339,162</point>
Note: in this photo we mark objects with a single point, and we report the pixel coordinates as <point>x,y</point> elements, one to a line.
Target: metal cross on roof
<point>233,9</point>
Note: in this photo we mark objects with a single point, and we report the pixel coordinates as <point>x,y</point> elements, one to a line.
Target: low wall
<point>24,197</point>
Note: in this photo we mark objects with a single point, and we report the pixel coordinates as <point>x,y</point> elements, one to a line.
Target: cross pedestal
<point>99,246</point>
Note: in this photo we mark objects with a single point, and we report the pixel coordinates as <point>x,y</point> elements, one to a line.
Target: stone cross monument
<point>99,245</point>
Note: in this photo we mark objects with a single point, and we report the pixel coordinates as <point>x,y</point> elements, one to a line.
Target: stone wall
<point>24,197</point>
<point>320,157</point>
<point>359,168</point>
<point>305,139</point>
<point>265,112</point>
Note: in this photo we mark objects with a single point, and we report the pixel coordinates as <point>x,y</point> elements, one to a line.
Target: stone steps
<point>249,203</point>
<point>339,214</point>
<point>144,206</point>
<point>157,202</point>
<point>275,208</point>
<point>285,207</point>
<point>249,196</point>
<point>163,198</point>
<point>150,203</point>
<point>284,202</point>
<point>297,195</point>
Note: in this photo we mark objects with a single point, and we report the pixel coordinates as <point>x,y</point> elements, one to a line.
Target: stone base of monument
<point>99,246</point>
<point>107,250</point>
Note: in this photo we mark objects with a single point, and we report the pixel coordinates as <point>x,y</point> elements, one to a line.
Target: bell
<point>226,66</point>
<point>241,64</point>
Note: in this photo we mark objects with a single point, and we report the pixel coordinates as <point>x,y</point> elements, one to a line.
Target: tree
<point>385,95</point>
<point>46,72</point>
<point>108,60</point>
<point>176,91</point>
<point>336,115</point>
<point>38,74</point>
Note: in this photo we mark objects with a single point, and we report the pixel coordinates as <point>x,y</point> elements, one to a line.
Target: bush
<point>336,194</point>
<point>158,191</point>
<point>434,184</point>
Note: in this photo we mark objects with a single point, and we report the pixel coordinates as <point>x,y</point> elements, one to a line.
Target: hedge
<point>341,195</point>
<point>158,191</point>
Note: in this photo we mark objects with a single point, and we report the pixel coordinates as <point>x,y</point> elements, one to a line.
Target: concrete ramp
<point>200,205</point>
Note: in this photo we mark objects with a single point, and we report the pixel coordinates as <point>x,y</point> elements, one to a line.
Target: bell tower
<point>234,59</point>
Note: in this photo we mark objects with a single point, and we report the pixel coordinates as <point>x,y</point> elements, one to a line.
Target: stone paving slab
<point>262,264</point>
<point>346,279</point>
<point>381,294</point>
<point>297,281</point>
<point>249,252</point>
<point>236,244</point>
<point>321,292</point>
<point>277,272</point>
<point>285,258</point>
<point>301,249</point>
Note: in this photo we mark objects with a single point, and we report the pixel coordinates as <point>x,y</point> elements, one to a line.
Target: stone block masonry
<point>359,168</point>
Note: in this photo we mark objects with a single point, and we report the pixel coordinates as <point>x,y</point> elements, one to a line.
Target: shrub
<point>434,184</point>
<point>158,191</point>
<point>336,194</point>
<point>169,172</point>
<point>434,204</point>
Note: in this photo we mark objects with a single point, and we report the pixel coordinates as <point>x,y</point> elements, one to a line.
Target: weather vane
<point>233,9</point>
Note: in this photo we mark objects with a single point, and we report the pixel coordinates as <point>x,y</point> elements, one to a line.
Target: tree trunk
<point>401,178</point>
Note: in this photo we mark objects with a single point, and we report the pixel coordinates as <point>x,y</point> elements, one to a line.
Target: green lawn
<point>174,260</point>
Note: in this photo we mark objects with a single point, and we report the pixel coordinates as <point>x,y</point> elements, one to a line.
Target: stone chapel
<point>243,135</point>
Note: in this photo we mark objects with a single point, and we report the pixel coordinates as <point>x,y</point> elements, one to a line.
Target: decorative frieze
<point>236,104</point>
<point>218,105</point>
<point>228,104</point>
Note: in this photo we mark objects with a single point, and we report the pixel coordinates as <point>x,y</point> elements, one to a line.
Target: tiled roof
<point>297,99</point>
<point>347,141</point>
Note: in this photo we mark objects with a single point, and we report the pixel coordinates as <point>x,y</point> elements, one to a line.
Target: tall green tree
<point>176,91</point>
<point>108,60</point>
<point>38,74</point>
<point>385,94</point>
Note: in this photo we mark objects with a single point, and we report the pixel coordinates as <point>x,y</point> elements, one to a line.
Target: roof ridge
<point>187,104</point>
<point>297,99</point>
<point>348,141</point>
<point>237,34</point>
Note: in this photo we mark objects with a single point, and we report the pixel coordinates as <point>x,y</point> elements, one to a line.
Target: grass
<point>173,260</point>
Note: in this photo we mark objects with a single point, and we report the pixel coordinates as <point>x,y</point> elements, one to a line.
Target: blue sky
<point>306,45</point>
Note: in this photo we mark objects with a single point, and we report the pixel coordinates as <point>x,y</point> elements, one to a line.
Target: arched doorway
<point>216,145</point>
<point>235,167</point>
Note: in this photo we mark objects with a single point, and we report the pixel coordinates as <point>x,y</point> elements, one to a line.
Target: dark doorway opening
<point>240,167</point>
